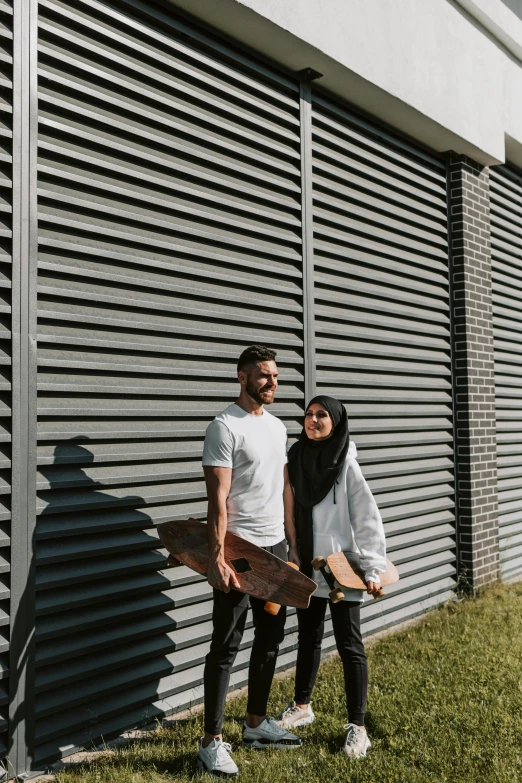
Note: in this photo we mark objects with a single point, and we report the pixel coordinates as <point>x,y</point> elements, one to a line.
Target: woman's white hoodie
<point>350,524</point>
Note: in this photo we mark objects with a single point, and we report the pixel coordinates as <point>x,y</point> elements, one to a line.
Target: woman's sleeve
<point>366,523</point>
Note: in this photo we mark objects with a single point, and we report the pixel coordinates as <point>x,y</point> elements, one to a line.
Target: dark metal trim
<point>25,238</point>
<point>305,113</point>
<point>308,75</point>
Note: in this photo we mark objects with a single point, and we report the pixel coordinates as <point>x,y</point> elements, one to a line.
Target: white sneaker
<point>269,735</point>
<point>357,742</point>
<point>216,759</point>
<point>295,716</point>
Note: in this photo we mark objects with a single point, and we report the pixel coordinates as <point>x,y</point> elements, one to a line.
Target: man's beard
<point>256,395</point>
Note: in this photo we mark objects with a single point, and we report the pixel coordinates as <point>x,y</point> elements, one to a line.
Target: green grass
<point>445,705</point>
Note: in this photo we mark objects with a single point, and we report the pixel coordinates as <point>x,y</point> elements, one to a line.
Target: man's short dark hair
<point>254,354</point>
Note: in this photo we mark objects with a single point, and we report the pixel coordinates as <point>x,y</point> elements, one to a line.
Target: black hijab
<point>314,467</point>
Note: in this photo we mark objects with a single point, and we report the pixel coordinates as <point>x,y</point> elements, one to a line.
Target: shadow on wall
<point>102,633</point>
<point>515,6</point>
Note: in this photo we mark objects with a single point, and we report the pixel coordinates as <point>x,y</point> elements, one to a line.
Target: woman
<point>334,511</point>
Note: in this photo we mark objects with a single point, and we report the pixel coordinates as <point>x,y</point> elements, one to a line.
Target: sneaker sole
<point>260,745</point>
<point>353,756</point>
<point>297,724</point>
<point>216,773</point>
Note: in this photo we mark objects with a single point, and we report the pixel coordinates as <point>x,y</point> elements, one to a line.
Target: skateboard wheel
<point>336,596</point>
<point>318,562</point>
<point>272,608</point>
<point>379,594</point>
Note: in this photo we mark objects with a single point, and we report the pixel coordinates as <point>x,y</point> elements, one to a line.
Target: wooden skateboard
<point>342,569</point>
<point>260,574</point>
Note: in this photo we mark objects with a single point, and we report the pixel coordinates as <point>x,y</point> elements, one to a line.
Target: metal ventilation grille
<point>506,256</point>
<point>6,178</point>
<point>169,239</point>
<point>383,340</point>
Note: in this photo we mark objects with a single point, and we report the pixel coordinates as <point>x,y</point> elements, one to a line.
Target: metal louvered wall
<point>169,238</point>
<point>506,257</point>
<point>383,340</point>
<point>169,194</point>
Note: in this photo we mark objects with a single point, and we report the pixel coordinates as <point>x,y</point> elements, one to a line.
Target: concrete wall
<point>447,72</point>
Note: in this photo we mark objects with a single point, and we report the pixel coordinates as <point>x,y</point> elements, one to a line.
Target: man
<point>244,460</point>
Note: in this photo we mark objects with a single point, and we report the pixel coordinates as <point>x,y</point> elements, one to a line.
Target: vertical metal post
<point>305,109</point>
<point>25,119</point>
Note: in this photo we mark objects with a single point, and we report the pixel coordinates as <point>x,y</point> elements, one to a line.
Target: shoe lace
<point>222,754</point>
<point>274,726</point>
<point>291,709</point>
<point>354,733</point>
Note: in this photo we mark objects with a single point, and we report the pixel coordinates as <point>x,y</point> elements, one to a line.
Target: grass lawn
<point>445,704</point>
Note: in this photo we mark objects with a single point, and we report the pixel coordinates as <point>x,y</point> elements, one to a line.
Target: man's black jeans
<point>346,620</point>
<point>229,617</point>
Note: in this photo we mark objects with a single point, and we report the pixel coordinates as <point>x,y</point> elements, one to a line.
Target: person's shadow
<point>104,642</point>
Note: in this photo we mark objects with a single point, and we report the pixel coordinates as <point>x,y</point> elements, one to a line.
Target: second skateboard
<point>343,569</point>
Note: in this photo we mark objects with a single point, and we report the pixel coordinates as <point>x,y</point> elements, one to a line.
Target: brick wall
<point>476,468</point>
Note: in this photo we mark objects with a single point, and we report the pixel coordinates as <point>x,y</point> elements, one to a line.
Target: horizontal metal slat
<point>338,153</point>
<point>120,384</point>
<point>197,165</point>
<point>100,65</point>
<point>137,38</point>
<point>364,266</point>
<point>64,574</point>
<point>168,324</point>
<point>172,32</point>
<point>60,501</point>
<point>152,365</point>
<point>153,42</point>
<point>151,300</point>
<point>75,76</point>
<point>342,229</point>
<point>372,208</point>
<point>332,287</point>
<point>340,116</point>
<point>386,394</point>
<point>149,613</point>
<point>399,319</point>
<point>84,155</point>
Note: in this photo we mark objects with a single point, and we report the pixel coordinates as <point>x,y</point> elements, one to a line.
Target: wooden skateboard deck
<point>346,570</point>
<point>260,574</point>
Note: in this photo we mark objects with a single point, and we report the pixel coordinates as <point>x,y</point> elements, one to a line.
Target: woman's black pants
<point>346,620</point>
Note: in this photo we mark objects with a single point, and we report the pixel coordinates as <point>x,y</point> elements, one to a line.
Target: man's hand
<point>372,587</point>
<point>293,556</point>
<point>222,577</point>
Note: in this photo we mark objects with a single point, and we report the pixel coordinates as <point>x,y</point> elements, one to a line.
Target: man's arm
<point>288,503</point>
<point>218,481</point>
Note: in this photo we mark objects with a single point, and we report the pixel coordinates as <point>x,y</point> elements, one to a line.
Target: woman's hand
<point>372,587</point>
<point>293,556</point>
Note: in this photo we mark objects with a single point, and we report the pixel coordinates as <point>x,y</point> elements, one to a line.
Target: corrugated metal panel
<point>383,339</point>
<point>506,256</point>
<point>6,202</point>
<point>169,239</point>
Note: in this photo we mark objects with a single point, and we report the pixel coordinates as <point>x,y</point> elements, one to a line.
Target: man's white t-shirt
<point>255,448</point>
